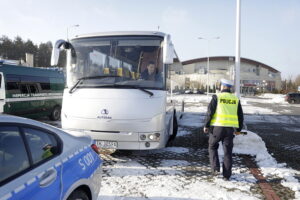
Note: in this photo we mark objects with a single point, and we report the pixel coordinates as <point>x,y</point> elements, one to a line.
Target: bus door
<point>2,93</point>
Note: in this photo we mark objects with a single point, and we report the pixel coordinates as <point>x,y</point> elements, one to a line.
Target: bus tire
<point>175,129</point>
<point>55,114</point>
<point>78,195</point>
<point>293,101</point>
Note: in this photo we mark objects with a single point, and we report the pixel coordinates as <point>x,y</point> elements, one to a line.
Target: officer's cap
<point>226,82</point>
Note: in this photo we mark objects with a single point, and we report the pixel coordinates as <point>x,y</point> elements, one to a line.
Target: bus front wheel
<point>174,131</point>
<point>55,114</point>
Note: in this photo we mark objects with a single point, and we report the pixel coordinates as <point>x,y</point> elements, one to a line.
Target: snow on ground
<point>166,180</point>
<point>191,98</point>
<point>190,120</point>
<point>129,179</point>
<point>132,180</point>
<point>252,144</point>
<point>297,130</point>
<point>284,119</point>
<point>258,110</point>
<point>248,108</point>
<point>199,103</point>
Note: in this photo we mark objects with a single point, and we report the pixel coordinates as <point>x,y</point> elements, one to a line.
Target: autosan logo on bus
<point>104,111</point>
<point>104,115</point>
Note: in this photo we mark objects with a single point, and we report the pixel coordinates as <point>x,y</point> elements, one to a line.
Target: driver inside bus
<point>151,73</point>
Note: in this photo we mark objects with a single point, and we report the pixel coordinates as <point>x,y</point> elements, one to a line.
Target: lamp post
<point>73,26</point>
<point>237,73</point>
<point>208,41</point>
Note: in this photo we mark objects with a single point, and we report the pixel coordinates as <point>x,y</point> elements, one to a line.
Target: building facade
<point>196,75</point>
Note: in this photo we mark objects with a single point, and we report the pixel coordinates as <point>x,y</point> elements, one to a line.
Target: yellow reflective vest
<point>226,111</point>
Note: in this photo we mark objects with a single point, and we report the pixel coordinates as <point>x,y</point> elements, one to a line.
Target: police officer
<point>224,117</point>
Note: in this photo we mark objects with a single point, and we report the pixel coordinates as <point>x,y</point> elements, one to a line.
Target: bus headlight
<point>154,136</point>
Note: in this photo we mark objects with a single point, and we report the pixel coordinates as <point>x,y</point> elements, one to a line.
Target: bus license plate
<point>106,144</point>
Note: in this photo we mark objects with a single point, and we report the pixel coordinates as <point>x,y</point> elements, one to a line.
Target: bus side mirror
<point>168,50</point>
<point>59,45</point>
<point>55,52</point>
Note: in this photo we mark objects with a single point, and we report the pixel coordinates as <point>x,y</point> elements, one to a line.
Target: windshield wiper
<point>75,86</point>
<point>86,78</point>
<point>144,90</point>
<point>136,87</point>
<point>98,77</point>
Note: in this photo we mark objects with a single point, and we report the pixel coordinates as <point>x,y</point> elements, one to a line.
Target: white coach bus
<point>117,88</point>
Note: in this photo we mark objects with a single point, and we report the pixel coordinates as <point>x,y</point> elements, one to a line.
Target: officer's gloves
<point>205,130</point>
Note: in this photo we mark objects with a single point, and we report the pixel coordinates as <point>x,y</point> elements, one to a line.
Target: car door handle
<point>48,177</point>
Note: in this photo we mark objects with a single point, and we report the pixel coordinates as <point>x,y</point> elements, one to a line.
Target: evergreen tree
<point>19,50</point>
<point>6,47</point>
<point>44,54</point>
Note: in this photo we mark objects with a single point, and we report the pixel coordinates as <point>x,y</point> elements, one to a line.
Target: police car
<point>38,161</point>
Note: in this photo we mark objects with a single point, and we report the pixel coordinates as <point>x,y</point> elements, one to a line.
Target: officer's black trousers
<point>224,134</point>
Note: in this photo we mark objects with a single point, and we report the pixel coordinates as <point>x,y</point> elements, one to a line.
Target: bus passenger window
<point>45,86</point>
<point>24,89</point>
<point>33,89</point>
<point>12,86</point>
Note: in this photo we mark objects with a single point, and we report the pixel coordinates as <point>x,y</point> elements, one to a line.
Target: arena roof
<point>229,58</point>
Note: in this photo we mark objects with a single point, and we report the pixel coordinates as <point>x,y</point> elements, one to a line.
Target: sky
<point>270,29</point>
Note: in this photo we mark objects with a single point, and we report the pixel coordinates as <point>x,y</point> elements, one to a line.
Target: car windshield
<point>115,61</point>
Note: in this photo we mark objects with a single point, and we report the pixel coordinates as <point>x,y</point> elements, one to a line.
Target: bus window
<point>12,82</point>
<point>24,89</point>
<point>45,86</point>
<point>33,89</point>
<point>12,86</point>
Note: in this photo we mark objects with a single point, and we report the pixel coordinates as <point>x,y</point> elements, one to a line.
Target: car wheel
<point>78,195</point>
<point>55,114</point>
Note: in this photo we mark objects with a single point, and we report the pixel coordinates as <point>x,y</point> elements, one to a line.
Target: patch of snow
<point>283,119</point>
<point>174,149</point>
<point>297,130</point>
<point>252,144</point>
<point>270,95</point>
<point>265,98</point>
<point>191,120</point>
<point>194,98</point>
<point>183,132</point>
<point>258,110</point>
<point>168,184</point>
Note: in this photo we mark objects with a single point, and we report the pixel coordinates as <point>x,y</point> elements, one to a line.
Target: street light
<point>73,26</point>
<point>208,41</point>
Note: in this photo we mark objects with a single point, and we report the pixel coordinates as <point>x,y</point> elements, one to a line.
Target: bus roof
<point>122,33</point>
<point>30,71</point>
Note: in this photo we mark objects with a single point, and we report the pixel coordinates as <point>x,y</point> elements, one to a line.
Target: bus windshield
<point>130,61</point>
